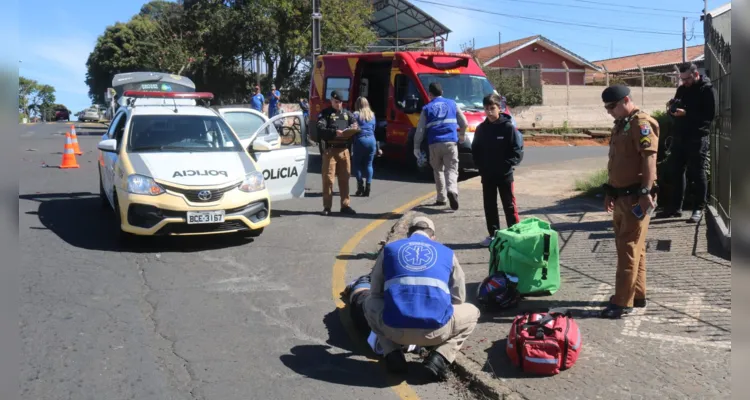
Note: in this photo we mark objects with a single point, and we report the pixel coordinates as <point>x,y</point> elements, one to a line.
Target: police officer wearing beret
<point>630,195</point>
<point>334,150</point>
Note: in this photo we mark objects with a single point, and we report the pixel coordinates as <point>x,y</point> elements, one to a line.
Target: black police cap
<point>615,93</point>
<point>335,95</point>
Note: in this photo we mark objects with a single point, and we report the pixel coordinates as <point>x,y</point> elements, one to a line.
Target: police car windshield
<point>180,133</point>
<point>466,90</point>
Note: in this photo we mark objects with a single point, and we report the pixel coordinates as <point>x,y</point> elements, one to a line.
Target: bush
<point>592,185</point>
<point>510,87</point>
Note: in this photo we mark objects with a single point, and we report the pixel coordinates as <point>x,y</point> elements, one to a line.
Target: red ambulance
<point>395,83</point>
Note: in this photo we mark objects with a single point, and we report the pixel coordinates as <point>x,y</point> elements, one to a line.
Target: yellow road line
<point>338,283</point>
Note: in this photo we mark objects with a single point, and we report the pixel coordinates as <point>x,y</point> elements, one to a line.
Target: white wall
<point>586,109</point>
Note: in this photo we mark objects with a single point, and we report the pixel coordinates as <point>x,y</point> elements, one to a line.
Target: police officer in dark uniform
<point>334,150</point>
<point>630,195</point>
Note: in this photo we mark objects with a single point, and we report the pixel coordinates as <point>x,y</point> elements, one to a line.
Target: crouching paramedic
<point>417,296</point>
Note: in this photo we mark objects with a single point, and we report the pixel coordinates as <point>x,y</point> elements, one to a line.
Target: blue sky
<point>56,37</point>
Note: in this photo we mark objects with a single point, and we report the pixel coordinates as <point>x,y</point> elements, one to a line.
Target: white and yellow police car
<point>169,166</point>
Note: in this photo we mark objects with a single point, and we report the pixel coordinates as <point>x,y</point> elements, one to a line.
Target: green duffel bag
<point>529,250</point>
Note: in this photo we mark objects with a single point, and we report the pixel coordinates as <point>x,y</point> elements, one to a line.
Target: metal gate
<point>718,61</point>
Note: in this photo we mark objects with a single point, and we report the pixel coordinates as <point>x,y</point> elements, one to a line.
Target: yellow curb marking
<point>338,282</point>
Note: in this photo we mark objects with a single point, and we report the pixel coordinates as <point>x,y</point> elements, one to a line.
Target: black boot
<point>360,188</point>
<point>395,362</point>
<point>437,365</point>
<point>366,193</point>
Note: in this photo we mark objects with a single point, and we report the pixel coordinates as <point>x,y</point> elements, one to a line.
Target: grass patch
<point>592,185</point>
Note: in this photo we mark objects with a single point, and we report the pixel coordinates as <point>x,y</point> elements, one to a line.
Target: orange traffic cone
<point>74,138</point>
<point>69,157</point>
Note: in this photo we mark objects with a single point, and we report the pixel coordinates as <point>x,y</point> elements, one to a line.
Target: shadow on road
<point>387,170</point>
<point>330,364</point>
<point>334,214</point>
<point>79,219</point>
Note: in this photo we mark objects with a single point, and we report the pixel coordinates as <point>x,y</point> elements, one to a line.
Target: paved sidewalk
<point>677,348</point>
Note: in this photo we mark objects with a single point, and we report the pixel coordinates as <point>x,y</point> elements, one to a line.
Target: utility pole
<point>499,42</point>
<point>684,39</point>
<point>316,17</point>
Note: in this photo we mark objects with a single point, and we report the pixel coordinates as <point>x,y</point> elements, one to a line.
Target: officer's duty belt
<point>626,191</point>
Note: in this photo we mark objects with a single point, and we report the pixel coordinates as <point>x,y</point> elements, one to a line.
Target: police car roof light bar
<point>168,95</point>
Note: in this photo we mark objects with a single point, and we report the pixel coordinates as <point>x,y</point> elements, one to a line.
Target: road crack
<point>191,383</point>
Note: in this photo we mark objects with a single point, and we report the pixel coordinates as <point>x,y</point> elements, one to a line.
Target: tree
<point>286,38</point>
<point>26,88</point>
<point>210,41</point>
<point>153,40</point>
<point>35,98</point>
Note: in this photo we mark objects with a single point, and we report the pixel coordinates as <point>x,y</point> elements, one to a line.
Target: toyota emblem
<point>204,195</point>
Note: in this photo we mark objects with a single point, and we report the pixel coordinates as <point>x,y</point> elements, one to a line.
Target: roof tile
<point>646,60</point>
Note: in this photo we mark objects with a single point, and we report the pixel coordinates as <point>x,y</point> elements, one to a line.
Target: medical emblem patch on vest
<point>645,129</point>
<point>417,256</point>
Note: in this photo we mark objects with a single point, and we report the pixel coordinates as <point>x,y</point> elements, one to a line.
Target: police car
<point>168,166</point>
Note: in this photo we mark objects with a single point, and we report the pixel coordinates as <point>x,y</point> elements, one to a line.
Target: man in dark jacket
<point>497,148</point>
<point>693,109</point>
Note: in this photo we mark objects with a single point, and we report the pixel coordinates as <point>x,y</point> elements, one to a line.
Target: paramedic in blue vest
<point>256,102</point>
<point>418,296</point>
<point>273,101</point>
<point>441,121</point>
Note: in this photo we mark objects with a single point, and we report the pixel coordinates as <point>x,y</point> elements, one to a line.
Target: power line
<point>494,23</point>
<point>566,23</point>
<point>588,7</point>
<point>634,7</point>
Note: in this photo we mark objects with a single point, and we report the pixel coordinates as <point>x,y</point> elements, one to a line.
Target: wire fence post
<point>567,83</point>
<point>523,75</point>
<point>643,86</point>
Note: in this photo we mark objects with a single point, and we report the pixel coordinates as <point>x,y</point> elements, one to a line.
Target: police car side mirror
<point>108,145</point>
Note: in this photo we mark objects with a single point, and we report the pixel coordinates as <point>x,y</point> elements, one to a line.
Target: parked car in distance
<point>90,114</point>
<point>62,115</point>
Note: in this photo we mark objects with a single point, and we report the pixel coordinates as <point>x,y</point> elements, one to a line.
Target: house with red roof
<point>654,62</point>
<point>538,52</point>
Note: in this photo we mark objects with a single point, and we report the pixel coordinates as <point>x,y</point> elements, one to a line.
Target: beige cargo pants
<point>444,163</point>
<point>448,339</point>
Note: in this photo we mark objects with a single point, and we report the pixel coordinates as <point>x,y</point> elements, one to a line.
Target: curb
<point>725,236</point>
<point>466,370</point>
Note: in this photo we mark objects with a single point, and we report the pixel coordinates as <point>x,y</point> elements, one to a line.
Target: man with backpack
<point>415,295</point>
<point>497,148</point>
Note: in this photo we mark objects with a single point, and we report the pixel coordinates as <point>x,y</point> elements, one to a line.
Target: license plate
<point>205,217</point>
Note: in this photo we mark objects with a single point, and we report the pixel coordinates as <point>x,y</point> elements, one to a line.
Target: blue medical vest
<point>416,291</point>
<point>441,124</point>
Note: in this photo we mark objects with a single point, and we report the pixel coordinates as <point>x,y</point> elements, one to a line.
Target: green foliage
<point>34,98</point>
<point>213,42</point>
<point>592,185</point>
<point>510,87</point>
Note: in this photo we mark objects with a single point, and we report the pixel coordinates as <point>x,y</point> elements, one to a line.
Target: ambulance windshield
<point>466,90</point>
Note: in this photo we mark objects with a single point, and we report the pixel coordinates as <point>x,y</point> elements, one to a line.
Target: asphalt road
<point>194,318</point>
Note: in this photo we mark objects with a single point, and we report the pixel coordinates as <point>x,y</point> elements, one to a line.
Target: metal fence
<point>718,67</point>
